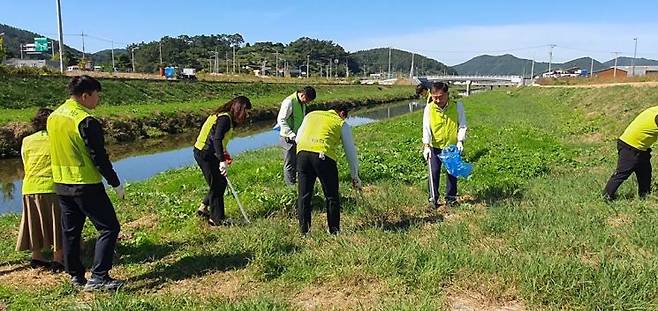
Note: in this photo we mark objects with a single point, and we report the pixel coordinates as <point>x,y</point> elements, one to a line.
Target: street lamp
<point>634,56</point>
<point>133,56</point>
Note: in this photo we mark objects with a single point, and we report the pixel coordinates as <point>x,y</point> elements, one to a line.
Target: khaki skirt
<point>41,223</point>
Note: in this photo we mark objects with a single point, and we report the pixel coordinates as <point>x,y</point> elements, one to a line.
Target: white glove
<point>121,191</point>
<point>291,139</point>
<point>461,134</point>
<point>426,153</point>
<point>223,168</point>
<point>460,146</point>
<point>356,182</point>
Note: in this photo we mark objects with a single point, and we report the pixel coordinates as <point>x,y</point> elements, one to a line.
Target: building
<point>628,71</point>
<point>610,73</point>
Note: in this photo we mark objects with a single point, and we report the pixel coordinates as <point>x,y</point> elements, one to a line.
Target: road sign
<point>40,44</point>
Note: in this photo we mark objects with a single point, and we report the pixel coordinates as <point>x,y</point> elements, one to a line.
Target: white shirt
<point>284,112</point>
<point>427,129</point>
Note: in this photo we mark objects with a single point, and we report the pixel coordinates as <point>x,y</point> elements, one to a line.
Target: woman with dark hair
<point>41,225</point>
<point>213,159</point>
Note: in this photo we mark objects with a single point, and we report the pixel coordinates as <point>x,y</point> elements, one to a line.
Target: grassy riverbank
<point>531,231</point>
<point>133,109</point>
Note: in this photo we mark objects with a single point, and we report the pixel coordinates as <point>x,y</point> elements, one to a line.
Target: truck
<point>187,74</point>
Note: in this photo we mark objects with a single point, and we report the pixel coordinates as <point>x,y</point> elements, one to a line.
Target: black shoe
<point>451,202</point>
<point>609,198</point>
<point>104,283</point>
<point>203,211</point>
<point>78,281</point>
<point>36,263</point>
<point>57,267</point>
<point>223,222</point>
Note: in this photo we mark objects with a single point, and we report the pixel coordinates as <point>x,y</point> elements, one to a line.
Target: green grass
<point>20,97</point>
<point>531,227</point>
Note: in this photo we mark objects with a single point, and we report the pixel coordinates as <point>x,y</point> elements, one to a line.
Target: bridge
<point>473,80</point>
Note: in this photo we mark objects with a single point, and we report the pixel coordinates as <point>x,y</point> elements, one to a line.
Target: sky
<point>451,32</point>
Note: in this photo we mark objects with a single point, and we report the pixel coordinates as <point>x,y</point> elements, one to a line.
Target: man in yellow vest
<point>633,148</point>
<point>79,161</point>
<point>317,149</point>
<point>291,115</point>
<point>444,124</point>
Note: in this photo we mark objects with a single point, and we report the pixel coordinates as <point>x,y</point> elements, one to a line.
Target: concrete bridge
<point>473,80</point>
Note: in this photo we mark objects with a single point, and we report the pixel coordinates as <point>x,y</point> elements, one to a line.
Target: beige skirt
<point>41,223</point>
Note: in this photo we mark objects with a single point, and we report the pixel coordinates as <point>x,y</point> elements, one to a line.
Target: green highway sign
<point>41,44</point>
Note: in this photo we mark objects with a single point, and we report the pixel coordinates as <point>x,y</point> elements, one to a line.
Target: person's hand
<point>460,146</point>
<point>356,183</point>
<point>120,191</point>
<point>227,158</point>
<point>291,139</point>
<point>426,153</point>
<point>223,168</point>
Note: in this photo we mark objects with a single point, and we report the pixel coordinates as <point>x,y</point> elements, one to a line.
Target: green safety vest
<point>443,124</point>
<point>70,160</point>
<point>202,142</point>
<point>295,119</point>
<point>35,152</point>
<point>322,133</point>
<point>643,131</point>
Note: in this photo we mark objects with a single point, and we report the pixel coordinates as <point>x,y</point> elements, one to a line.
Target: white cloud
<point>454,45</point>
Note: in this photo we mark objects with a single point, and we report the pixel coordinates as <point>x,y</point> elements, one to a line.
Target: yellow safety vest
<point>35,152</point>
<point>202,142</point>
<point>443,124</point>
<point>428,100</point>
<point>298,112</point>
<point>71,163</point>
<point>321,133</point>
<point>643,131</point>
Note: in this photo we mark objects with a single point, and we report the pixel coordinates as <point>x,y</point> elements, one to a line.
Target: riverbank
<point>531,231</point>
<point>134,109</point>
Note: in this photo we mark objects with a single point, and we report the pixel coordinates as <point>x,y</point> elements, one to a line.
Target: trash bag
<point>452,160</point>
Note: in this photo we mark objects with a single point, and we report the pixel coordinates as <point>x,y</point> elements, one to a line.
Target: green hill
<point>14,37</point>
<point>511,65</point>
<point>376,61</point>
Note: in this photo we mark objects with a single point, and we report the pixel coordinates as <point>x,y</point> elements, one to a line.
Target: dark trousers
<point>309,167</point>
<point>631,160</point>
<point>434,178</point>
<point>209,165</point>
<point>92,202</point>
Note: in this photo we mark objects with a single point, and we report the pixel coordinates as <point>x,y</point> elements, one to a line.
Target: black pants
<point>435,177</point>
<point>631,160</point>
<point>92,202</point>
<point>309,167</point>
<point>209,165</point>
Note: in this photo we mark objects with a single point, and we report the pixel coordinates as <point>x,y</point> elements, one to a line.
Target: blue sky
<point>450,31</point>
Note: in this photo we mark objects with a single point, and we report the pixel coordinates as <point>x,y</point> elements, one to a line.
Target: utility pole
<point>160,43</point>
<point>308,69</point>
<point>60,34</point>
<point>21,48</point>
<point>550,57</point>
<point>82,34</point>
<point>634,56</point>
<point>411,70</point>
<point>591,67</point>
<point>113,66</point>
<point>233,59</point>
<point>347,68</point>
<point>614,71</point>
<point>389,62</point>
<point>133,57</point>
<point>532,69</point>
<point>216,59</point>
<point>226,62</point>
<point>276,63</point>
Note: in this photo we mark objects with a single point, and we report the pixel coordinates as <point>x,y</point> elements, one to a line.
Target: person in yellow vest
<point>444,124</point>
<point>634,150</point>
<point>291,115</point>
<point>317,149</point>
<point>41,225</point>
<point>79,161</point>
<point>212,157</point>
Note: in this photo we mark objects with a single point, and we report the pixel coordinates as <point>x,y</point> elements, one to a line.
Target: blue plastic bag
<point>453,162</point>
